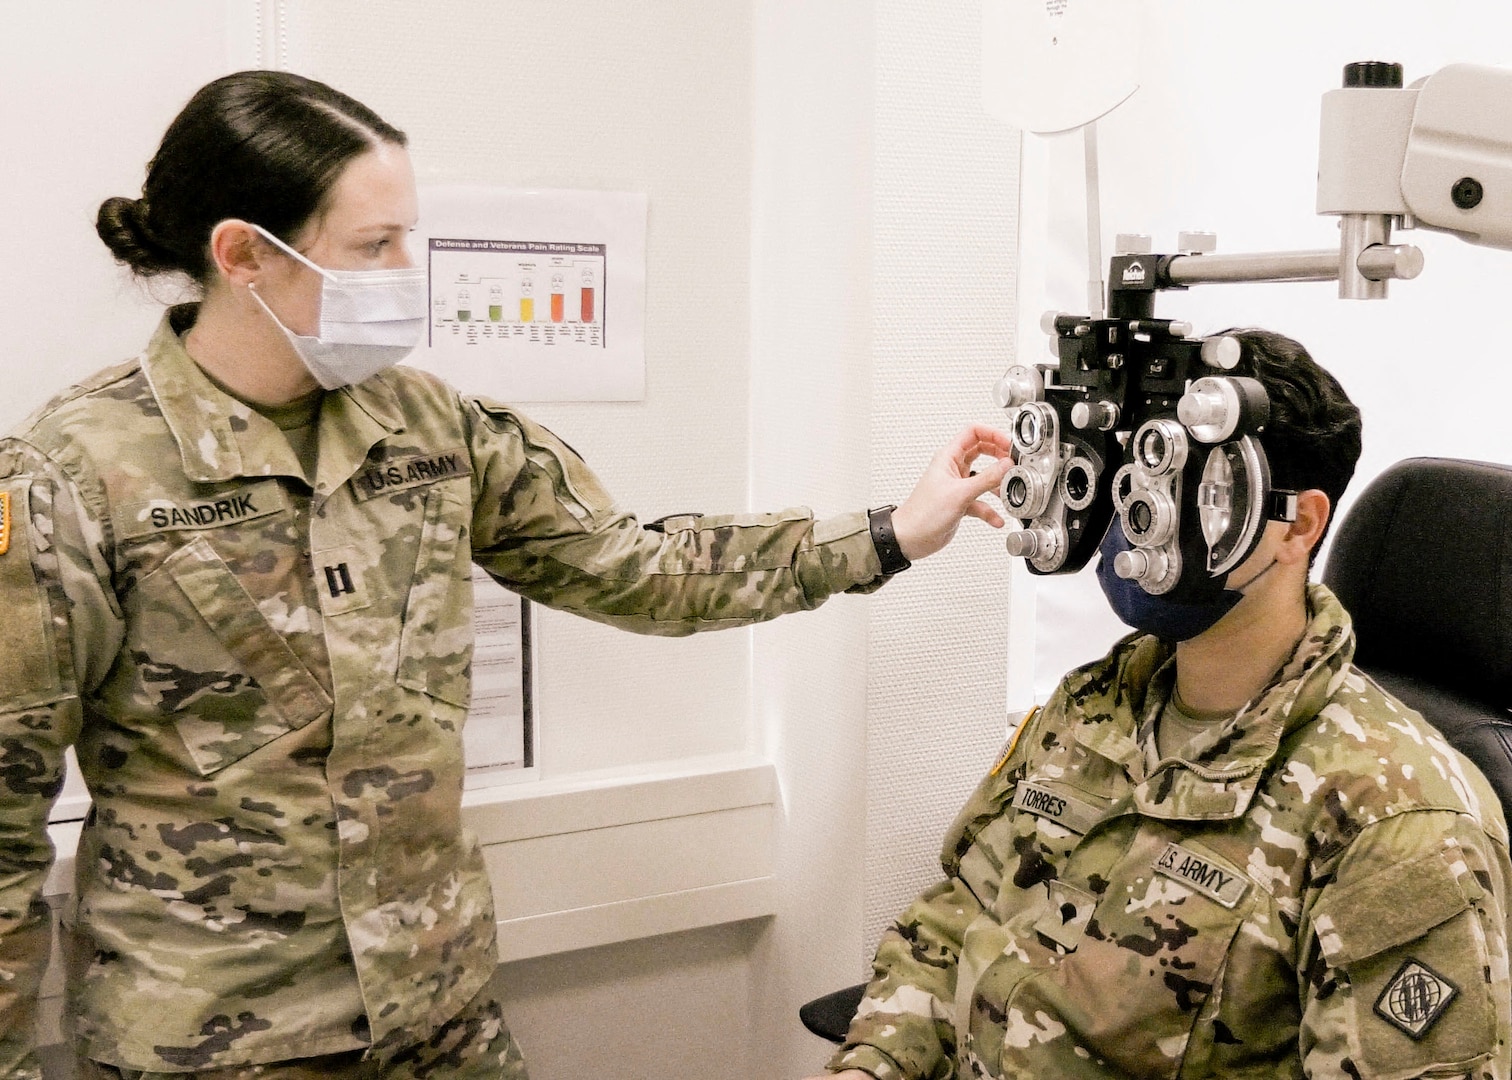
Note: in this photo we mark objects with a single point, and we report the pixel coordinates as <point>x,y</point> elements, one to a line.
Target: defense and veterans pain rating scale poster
<point>535,295</point>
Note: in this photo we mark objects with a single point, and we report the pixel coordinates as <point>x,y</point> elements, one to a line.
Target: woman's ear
<point>237,251</point>
<point>1303,534</point>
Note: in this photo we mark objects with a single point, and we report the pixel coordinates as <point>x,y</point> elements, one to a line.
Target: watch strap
<point>889,554</point>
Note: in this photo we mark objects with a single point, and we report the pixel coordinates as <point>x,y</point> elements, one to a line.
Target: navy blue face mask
<point>1193,606</point>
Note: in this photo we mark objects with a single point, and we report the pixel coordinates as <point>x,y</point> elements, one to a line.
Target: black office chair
<point>1423,563</point>
<point>829,1017</point>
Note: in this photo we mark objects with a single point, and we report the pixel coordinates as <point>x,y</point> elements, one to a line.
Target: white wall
<point>88,88</point>
<point>944,228</point>
<point>811,395</point>
<point>600,95</point>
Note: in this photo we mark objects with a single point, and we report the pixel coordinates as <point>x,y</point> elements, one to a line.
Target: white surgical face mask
<point>369,320</point>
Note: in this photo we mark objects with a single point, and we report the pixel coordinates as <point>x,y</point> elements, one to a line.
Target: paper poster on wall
<point>535,295</point>
<point>499,740</point>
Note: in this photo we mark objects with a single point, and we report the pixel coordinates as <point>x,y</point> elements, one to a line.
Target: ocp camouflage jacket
<point>266,683</point>
<point>1318,887</point>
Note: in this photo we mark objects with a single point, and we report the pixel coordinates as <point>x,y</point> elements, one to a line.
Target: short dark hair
<point>262,146</point>
<point>1313,437</point>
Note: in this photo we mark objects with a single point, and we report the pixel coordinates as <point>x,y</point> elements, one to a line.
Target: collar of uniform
<point>1224,773</point>
<point>218,437</point>
<point>1106,697</point>
<point>353,420</point>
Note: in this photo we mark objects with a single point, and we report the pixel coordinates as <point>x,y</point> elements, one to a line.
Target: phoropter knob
<point>1027,543</point>
<point>1101,415</point>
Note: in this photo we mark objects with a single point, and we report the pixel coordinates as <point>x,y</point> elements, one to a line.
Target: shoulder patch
<point>1012,743</point>
<point>1203,873</point>
<point>5,521</point>
<point>29,671</point>
<point>1415,997</point>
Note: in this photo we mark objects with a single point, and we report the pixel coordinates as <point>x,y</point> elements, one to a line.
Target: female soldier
<point>237,572</point>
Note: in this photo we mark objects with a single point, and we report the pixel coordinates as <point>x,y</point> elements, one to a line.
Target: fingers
<point>949,490</point>
<point>979,441</point>
<point>986,437</point>
<point>983,512</point>
<point>989,478</point>
<point>980,450</point>
<point>967,449</point>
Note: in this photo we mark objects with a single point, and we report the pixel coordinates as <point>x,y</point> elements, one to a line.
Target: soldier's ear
<point>237,252</point>
<point>1303,534</point>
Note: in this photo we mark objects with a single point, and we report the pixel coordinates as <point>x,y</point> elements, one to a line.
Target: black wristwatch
<point>886,542</point>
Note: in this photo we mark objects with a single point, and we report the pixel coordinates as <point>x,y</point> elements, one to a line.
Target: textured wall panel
<point>624,97</point>
<point>810,408</point>
<point>944,231</point>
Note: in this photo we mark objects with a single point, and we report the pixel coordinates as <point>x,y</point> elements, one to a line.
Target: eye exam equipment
<point>1139,420</point>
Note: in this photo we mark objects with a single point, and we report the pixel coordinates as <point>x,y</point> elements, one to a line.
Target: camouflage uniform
<point>475,1044</point>
<point>266,680</point>
<point>1317,887</point>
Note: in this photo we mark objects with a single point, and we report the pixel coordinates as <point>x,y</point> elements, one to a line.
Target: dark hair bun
<point>259,146</point>
<point>122,224</point>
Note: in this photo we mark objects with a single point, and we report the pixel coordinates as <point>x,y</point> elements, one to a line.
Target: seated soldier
<point>1219,851</point>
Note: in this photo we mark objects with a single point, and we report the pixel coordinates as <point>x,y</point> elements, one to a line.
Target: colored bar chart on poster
<point>484,291</point>
<point>535,296</point>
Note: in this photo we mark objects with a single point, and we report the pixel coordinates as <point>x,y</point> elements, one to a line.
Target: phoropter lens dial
<point>1033,428</point>
<point>1160,447</point>
<point>1149,518</point>
<point>1024,492</point>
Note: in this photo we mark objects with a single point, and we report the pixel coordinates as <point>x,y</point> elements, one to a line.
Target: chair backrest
<point>1423,564</point>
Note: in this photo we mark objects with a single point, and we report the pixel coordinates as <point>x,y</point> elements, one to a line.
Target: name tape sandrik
<point>232,508</point>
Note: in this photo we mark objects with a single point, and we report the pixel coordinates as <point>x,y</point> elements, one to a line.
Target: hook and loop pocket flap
<point>233,617</point>
<point>436,641</point>
<point>1393,906</point>
<point>28,662</point>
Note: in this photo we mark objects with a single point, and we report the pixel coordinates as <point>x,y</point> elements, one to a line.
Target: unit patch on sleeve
<point>409,470</point>
<point>1013,740</point>
<point>1415,997</point>
<point>1203,873</point>
<point>5,522</point>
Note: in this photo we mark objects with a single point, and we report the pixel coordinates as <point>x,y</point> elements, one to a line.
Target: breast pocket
<point>436,640</point>
<point>1148,953</point>
<point>207,656</point>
